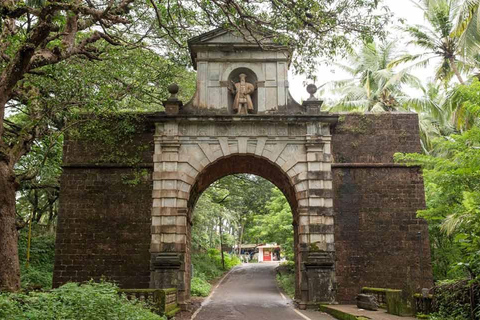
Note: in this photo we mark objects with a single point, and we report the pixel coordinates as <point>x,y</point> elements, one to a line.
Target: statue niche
<point>242,88</point>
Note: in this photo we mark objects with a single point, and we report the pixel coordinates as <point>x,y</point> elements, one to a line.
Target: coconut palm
<point>372,86</point>
<point>438,40</point>
<point>434,113</point>
<point>467,27</point>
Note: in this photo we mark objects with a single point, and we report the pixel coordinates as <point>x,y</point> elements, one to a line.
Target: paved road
<point>250,292</point>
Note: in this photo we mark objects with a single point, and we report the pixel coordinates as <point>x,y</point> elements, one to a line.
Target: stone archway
<point>252,164</point>
<point>291,151</point>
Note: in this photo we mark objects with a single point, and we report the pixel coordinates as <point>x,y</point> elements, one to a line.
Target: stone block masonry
<point>354,209</point>
<point>379,241</point>
<point>103,227</point>
<point>293,152</point>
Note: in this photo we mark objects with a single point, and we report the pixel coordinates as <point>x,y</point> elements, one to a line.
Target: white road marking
<point>296,311</point>
<point>301,314</point>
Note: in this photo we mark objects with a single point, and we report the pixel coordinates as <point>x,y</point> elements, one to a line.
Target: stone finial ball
<point>173,88</point>
<point>312,89</point>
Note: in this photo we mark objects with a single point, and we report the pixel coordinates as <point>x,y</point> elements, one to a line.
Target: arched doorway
<point>249,164</point>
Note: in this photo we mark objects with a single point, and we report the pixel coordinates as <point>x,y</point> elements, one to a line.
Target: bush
<point>35,278</point>
<point>200,287</point>
<point>207,267</point>
<point>90,301</point>
<point>287,283</point>
<point>231,261</point>
<point>451,299</point>
<point>42,255</point>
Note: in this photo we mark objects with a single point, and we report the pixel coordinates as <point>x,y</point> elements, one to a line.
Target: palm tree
<point>438,41</point>
<point>373,85</point>
<point>434,113</point>
<point>467,27</point>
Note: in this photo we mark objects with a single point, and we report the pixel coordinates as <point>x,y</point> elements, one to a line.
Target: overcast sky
<point>402,9</point>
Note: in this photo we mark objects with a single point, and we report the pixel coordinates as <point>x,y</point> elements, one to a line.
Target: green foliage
<point>452,181</point>
<point>275,225</point>
<point>287,283</point>
<point>235,200</point>
<point>436,40</point>
<point>42,254</point>
<point>452,300</point>
<point>200,287</point>
<point>207,267</point>
<point>92,301</point>
<point>467,102</point>
<point>373,85</point>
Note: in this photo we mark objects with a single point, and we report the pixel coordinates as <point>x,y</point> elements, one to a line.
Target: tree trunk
<point>9,263</point>
<point>455,69</point>
<point>240,239</point>
<point>221,242</point>
<point>51,217</point>
<point>3,102</point>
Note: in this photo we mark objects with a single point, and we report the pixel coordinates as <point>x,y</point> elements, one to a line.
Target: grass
<point>208,267</point>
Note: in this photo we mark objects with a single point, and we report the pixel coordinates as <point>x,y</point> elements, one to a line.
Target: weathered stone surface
<point>108,228</point>
<point>239,150</point>
<point>367,302</point>
<point>377,233</point>
<point>103,227</point>
<point>219,63</point>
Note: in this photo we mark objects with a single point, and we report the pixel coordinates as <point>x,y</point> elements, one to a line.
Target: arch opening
<point>251,165</point>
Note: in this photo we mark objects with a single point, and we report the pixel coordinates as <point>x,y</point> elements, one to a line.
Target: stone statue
<point>242,90</point>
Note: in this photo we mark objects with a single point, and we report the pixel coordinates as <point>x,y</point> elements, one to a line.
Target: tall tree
<point>434,112</point>
<point>467,27</point>
<point>437,41</point>
<point>373,86</point>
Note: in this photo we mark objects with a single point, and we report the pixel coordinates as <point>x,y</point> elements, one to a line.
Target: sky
<point>401,9</point>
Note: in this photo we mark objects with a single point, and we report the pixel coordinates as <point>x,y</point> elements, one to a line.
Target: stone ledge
<point>373,165</point>
<point>106,165</point>
<point>323,117</point>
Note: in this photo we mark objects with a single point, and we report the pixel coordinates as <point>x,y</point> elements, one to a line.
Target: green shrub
<point>42,255</point>
<point>287,283</point>
<point>35,277</point>
<point>90,301</point>
<point>207,267</point>
<point>289,266</point>
<point>200,287</point>
<point>231,261</point>
<point>451,299</point>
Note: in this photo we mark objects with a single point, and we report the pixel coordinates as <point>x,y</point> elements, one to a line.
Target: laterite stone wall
<point>103,228</point>
<point>104,219</point>
<point>105,223</point>
<point>378,239</point>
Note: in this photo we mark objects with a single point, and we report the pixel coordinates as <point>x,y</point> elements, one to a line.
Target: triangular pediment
<point>218,35</point>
